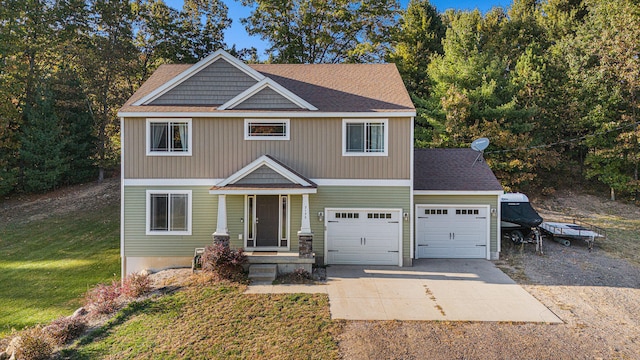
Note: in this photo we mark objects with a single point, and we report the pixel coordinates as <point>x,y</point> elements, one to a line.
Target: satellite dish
<point>480,144</point>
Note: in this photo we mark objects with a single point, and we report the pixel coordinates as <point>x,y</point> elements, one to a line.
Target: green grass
<point>623,236</point>
<point>217,321</point>
<point>47,265</point>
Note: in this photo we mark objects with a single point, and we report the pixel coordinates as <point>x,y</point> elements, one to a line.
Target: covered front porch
<point>275,219</point>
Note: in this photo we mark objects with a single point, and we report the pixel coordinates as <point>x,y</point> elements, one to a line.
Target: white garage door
<point>459,231</point>
<point>356,236</point>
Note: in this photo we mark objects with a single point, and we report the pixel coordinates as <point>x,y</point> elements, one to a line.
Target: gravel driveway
<point>597,297</point>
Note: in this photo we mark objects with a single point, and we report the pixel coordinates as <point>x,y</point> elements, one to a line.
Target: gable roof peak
<point>194,69</point>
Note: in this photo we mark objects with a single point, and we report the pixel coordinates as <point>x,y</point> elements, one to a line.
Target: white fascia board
<point>194,69</point>
<point>253,191</point>
<point>270,114</point>
<point>264,160</point>
<point>171,182</point>
<point>451,192</point>
<point>122,150</point>
<point>264,83</point>
<point>361,182</point>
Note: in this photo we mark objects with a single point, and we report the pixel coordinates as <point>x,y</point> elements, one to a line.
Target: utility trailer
<point>575,230</point>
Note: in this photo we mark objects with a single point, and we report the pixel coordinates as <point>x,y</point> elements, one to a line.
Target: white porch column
<point>221,226</point>
<point>305,228</point>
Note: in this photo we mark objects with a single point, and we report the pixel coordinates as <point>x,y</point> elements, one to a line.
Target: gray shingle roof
<point>452,170</point>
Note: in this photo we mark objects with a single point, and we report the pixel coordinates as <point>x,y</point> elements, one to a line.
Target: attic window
<point>169,137</point>
<point>266,129</point>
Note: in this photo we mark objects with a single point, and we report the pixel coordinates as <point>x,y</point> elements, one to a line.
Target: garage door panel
<point>451,231</point>
<point>363,236</point>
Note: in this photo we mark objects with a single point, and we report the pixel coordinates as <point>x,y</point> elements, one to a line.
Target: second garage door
<point>459,231</point>
<point>368,237</point>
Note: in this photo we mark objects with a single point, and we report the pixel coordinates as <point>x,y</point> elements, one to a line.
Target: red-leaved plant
<point>104,298</point>
<point>65,329</point>
<point>135,285</point>
<point>224,262</point>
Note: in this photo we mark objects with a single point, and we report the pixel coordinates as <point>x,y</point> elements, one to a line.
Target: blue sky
<point>237,34</point>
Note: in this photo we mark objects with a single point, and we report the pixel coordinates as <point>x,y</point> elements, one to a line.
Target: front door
<point>267,220</point>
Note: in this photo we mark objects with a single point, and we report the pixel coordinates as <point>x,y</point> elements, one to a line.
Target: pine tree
<point>42,146</point>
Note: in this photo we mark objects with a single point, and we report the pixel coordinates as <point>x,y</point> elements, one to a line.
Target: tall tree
<point>202,25</point>
<point>42,145</point>
<point>108,67</point>
<point>323,31</point>
<point>71,108</point>
<point>418,39</point>
<point>609,41</point>
<point>480,90</point>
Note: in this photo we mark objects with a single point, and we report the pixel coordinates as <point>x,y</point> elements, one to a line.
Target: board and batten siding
<point>491,200</point>
<point>314,150</point>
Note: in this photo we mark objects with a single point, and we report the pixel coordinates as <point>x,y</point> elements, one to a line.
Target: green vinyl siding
<point>491,200</point>
<point>203,225</point>
<point>397,197</point>
<point>204,214</point>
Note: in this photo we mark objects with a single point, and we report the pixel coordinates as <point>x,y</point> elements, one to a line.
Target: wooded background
<point>553,84</point>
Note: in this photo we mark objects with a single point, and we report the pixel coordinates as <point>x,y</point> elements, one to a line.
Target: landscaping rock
<point>79,312</point>
<point>13,348</point>
<point>146,272</point>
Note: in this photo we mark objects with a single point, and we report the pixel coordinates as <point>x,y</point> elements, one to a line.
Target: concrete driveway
<point>433,289</point>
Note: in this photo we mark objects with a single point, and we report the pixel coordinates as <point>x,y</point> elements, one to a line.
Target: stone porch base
<point>287,261</point>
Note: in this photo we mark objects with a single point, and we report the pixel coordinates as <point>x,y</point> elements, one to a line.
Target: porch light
<point>320,216</point>
<point>405,216</point>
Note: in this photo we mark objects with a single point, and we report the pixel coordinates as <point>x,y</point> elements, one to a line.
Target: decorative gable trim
<point>180,78</point>
<point>262,84</point>
<point>271,163</point>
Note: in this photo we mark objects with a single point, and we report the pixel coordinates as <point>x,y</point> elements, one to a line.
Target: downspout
<point>411,205</point>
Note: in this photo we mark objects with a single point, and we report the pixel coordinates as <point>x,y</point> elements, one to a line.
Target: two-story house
<point>308,162</point>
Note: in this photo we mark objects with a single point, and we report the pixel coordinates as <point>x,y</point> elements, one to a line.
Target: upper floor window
<point>169,137</point>
<point>266,129</point>
<point>365,137</point>
<point>168,212</point>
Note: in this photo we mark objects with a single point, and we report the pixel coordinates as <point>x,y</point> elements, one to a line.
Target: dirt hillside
<point>86,197</point>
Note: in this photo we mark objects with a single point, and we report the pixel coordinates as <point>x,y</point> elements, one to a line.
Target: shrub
<point>63,330</point>
<point>224,262</point>
<point>34,344</point>
<point>135,285</point>
<point>104,298</point>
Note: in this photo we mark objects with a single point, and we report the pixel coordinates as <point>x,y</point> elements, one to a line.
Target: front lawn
<point>47,265</point>
<point>217,321</point>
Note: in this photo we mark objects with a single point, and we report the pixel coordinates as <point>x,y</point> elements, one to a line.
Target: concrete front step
<point>263,273</point>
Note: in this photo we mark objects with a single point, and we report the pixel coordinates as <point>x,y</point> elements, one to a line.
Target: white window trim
<point>363,121</point>
<point>168,192</point>
<point>169,153</point>
<point>267,121</point>
<point>248,223</point>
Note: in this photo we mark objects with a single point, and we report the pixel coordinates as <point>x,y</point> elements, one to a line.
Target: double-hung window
<point>266,129</point>
<point>365,137</point>
<point>168,212</point>
<point>169,137</point>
